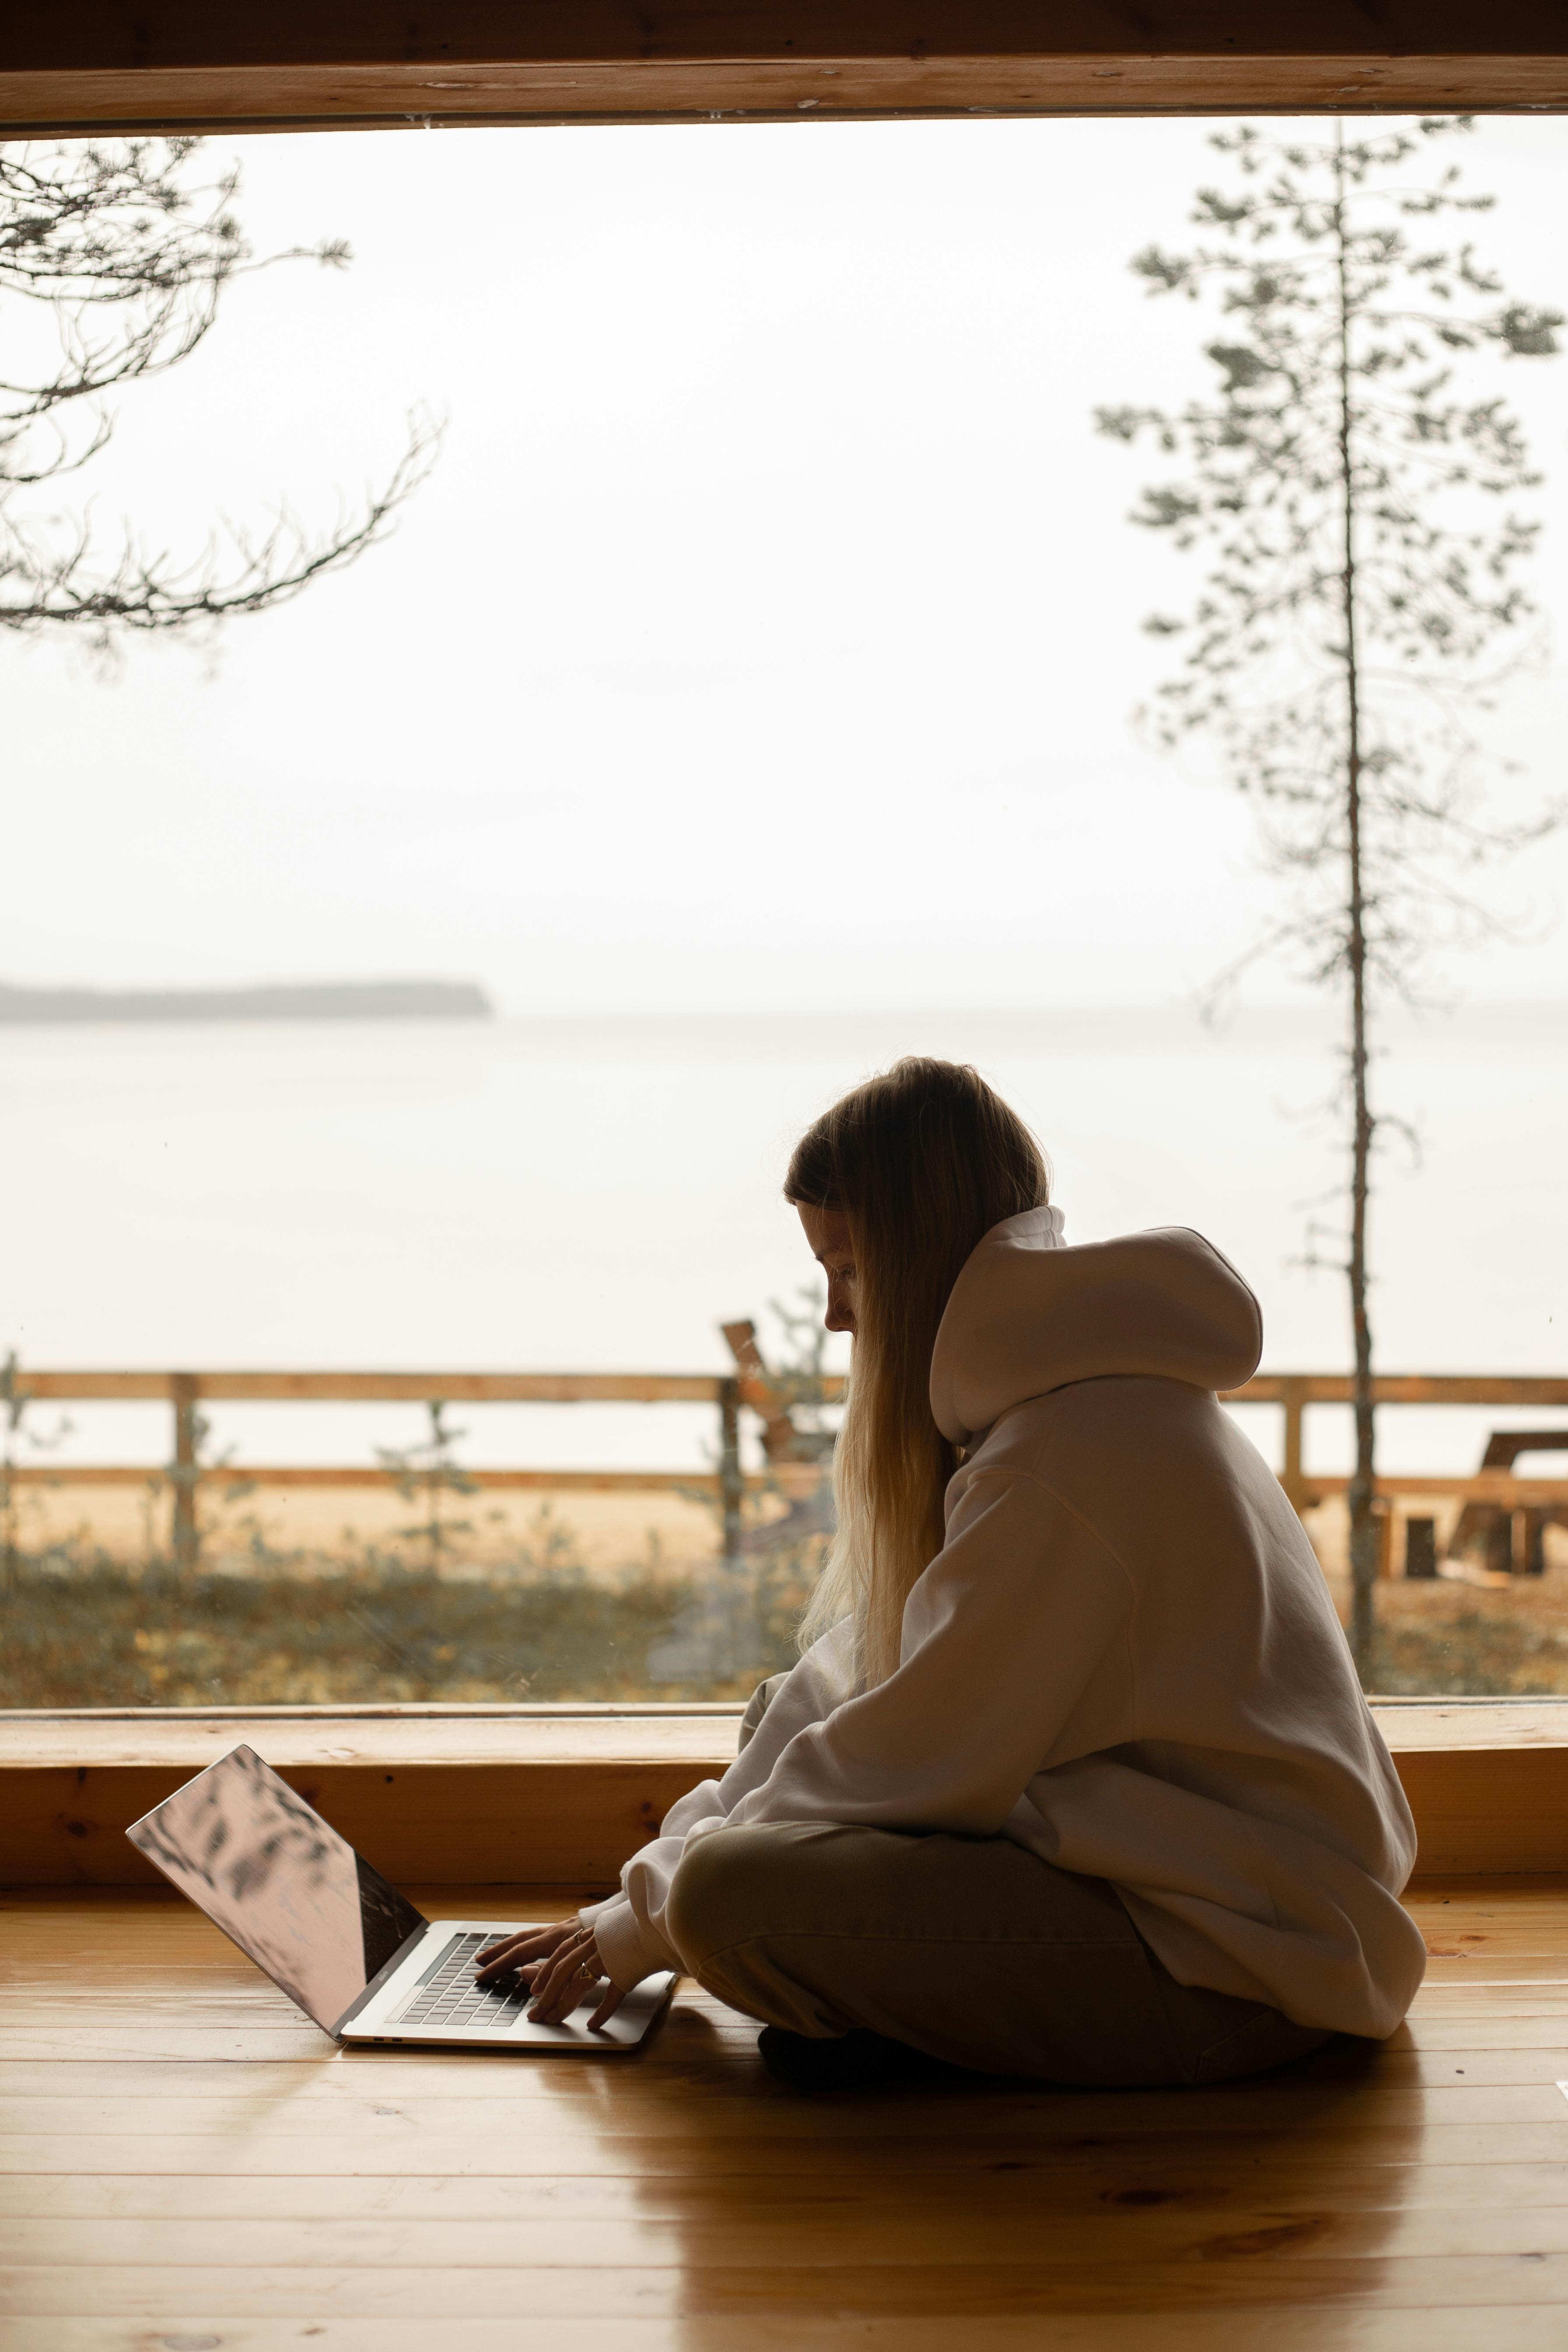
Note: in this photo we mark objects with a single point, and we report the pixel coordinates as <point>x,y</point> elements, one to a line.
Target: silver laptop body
<point>357,1957</point>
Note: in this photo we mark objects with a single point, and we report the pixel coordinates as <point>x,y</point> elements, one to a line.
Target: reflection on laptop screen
<point>287,1889</point>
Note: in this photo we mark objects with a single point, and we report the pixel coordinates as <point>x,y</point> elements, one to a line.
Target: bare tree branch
<point>114,261</point>
<point>143,593</point>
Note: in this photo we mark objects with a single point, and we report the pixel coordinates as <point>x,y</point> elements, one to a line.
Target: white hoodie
<point>1123,1657</point>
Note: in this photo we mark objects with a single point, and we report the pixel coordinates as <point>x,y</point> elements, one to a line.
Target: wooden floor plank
<point>807,2234</point>
<point>1540,2024</point>
<point>1470,2328</point>
<point>1164,2174</point>
<point>399,2117</point>
<point>1282,2187</point>
<point>843,2290</point>
<point>542,2155</point>
<point>417,2074</point>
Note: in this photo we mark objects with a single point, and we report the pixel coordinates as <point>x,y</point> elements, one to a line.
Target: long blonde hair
<point>921,1162</point>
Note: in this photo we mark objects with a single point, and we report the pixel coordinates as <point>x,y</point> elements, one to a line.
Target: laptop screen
<point>292,1894</point>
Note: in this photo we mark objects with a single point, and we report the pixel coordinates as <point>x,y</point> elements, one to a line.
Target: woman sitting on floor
<point>1075,1780</point>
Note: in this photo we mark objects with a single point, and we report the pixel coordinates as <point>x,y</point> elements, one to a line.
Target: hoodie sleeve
<point>1016,1656</point>
<point>629,1926</point>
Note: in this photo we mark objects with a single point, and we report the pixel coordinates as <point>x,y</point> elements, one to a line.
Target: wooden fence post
<point>183,1390</point>
<point>1294,1484</point>
<point>732,1485</point>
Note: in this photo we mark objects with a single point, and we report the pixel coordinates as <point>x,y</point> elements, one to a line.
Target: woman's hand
<point>567,1977</point>
<point>521,1954</point>
<point>561,1963</point>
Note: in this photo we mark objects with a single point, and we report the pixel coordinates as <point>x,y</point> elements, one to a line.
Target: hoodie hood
<point>1028,1315</point>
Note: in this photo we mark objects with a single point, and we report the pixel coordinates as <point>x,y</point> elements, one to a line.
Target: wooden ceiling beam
<point>79,66</point>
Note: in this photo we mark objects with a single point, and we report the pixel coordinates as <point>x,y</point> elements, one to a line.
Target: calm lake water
<point>602,1194</point>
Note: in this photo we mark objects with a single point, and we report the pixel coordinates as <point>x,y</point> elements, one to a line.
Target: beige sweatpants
<point>972,1950</point>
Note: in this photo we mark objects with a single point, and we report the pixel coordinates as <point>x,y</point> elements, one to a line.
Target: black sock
<point>856,2061</point>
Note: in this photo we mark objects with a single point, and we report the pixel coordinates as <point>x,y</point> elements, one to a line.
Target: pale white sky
<point>767,634</point>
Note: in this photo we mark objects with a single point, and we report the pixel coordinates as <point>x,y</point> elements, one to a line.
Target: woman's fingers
<point>529,1944</point>
<point>558,1987</point>
<point>502,1957</point>
<point>542,1936</point>
<point>612,1999</point>
<point>563,1961</point>
<point>563,1981</point>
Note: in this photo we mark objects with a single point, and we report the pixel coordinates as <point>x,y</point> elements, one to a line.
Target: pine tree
<point>1361,589</point>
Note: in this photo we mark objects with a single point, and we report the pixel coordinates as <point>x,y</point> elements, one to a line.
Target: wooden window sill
<point>560,1795</point>
<point>440,1794</point>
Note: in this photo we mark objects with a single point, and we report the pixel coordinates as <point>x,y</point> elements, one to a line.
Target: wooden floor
<point>186,2165</point>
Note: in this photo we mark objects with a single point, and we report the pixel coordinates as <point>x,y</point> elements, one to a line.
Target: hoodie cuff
<point>629,1954</point>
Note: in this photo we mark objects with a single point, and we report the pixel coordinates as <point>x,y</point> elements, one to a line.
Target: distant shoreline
<point>354,1000</point>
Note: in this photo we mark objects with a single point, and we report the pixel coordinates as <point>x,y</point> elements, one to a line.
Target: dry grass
<point>101,1633</point>
<point>1459,1641</point>
<point>81,1628</point>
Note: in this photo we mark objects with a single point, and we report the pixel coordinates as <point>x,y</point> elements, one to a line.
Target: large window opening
<point>746,697</point>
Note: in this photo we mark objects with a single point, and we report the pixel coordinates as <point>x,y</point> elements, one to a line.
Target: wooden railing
<point>187,1391</point>
<point>751,1388</point>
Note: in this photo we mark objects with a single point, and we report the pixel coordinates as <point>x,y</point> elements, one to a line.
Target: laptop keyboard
<point>448,1995</point>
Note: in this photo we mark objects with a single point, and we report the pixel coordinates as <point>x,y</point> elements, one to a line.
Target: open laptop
<point>345,1947</point>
